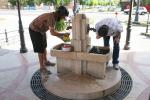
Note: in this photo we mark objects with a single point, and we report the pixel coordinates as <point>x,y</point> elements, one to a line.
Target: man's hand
<point>65,37</point>
<point>97,36</point>
<point>66,34</point>
<point>117,37</point>
<point>62,36</point>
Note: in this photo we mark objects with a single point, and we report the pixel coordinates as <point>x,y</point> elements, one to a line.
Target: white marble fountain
<point>82,75</point>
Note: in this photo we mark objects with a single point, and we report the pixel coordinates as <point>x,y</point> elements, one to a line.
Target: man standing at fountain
<point>38,28</point>
<point>110,27</point>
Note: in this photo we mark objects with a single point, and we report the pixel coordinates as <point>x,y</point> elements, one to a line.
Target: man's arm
<point>97,36</point>
<point>117,37</point>
<point>55,33</point>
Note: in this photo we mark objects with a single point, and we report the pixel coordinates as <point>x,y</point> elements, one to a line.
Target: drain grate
<point>40,91</point>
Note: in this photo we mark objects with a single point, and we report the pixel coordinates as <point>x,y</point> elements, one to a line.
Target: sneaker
<point>48,63</point>
<point>116,66</point>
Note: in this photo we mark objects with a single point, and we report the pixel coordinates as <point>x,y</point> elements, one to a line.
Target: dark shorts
<point>39,41</point>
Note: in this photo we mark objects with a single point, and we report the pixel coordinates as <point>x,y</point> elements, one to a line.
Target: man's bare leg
<point>43,71</point>
<point>46,62</point>
<point>41,57</point>
<point>42,66</point>
<point>45,56</point>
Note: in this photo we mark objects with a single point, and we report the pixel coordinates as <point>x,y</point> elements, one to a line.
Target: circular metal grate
<point>40,91</point>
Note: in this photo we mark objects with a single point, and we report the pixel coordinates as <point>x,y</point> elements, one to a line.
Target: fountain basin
<point>81,62</point>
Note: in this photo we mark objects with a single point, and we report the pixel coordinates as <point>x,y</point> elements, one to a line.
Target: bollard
<point>6,36</point>
<point>147,23</point>
<point>116,13</point>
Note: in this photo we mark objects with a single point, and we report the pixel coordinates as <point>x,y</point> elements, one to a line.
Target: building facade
<point>3,4</point>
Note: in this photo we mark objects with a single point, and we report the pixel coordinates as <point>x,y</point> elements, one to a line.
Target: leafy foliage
<point>66,2</point>
<point>38,2</point>
<point>145,2</point>
<point>60,25</point>
<point>12,2</point>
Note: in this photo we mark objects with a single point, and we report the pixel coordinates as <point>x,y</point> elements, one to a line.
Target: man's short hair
<point>62,11</point>
<point>103,30</point>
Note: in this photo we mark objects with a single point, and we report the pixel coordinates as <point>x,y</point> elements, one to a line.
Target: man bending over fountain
<point>110,27</point>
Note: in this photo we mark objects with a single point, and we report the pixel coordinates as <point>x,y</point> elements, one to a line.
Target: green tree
<point>94,2</point>
<point>30,2</point>
<point>12,2</point>
<point>38,2</point>
<point>145,2</point>
<point>57,2</point>
<point>88,2</point>
<point>66,2</point>
<point>83,2</point>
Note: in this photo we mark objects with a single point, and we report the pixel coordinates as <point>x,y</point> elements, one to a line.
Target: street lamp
<point>137,13</point>
<point>21,31</point>
<point>127,47</point>
<point>74,7</point>
<point>147,23</point>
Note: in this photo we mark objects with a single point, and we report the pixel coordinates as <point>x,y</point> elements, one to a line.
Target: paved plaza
<point>16,69</point>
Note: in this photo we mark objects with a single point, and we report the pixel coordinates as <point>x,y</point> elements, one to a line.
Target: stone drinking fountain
<point>82,75</point>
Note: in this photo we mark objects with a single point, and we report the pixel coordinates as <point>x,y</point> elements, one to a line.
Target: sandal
<point>48,63</point>
<point>45,71</point>
<point>44,77</point>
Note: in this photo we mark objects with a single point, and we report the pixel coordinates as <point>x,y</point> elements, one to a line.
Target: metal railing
<point>11,36</point>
